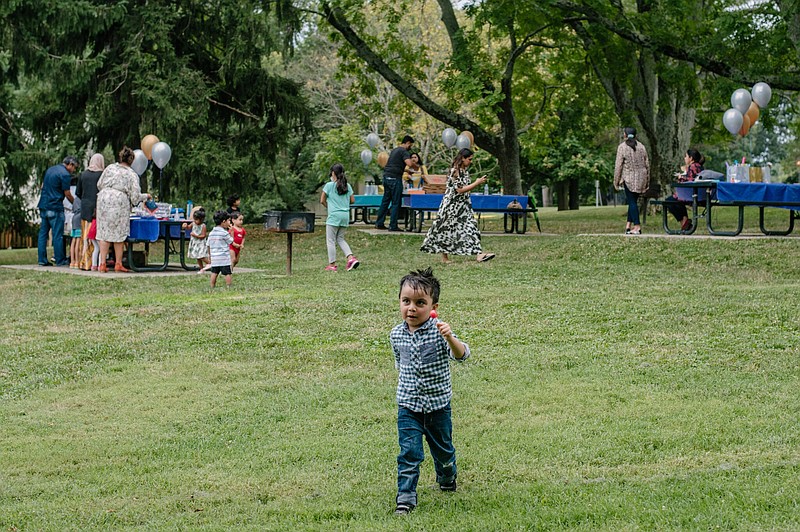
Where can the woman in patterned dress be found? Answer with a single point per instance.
(118, 191)
(455, 229)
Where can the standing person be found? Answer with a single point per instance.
(399, 158)
(87, 192)
(238, 233)
(455, 229)
(415, 177)
(422, 346)
(219, 241)
(91, 235)
(694, 165)
(632, 172)
(198, 243)
(233, 202)
(69, 219)
(337, 195)
(76, 245)
(55, 187)
(118, 191)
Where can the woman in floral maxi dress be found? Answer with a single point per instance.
(118, 191)
(455, 229)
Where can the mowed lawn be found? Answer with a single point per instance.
(615, 383)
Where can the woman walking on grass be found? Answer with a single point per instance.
(632, 172)
(455, 230)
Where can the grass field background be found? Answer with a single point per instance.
(616, 383)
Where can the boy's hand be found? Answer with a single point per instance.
(444, 329)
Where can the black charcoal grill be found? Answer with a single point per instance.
(289, 223)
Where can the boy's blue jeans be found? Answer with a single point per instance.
(437, 428)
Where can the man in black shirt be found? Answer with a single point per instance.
(399, 158)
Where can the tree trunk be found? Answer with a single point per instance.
(562, 194)
(574, 200)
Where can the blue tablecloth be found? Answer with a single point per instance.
(758, 193)
(479, 201)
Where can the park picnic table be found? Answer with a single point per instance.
(419, 204)
(170, 231)
(706, 195)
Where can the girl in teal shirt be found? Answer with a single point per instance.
(337, 195)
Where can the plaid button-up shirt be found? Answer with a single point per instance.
(422, 358)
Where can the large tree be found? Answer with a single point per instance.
(481, 81)
(86, 75)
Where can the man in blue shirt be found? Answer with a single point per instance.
(399, 158)
(55, 187)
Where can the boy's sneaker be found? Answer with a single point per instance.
(352, 263)
(403, 509)
(330, 268)
(448, 487)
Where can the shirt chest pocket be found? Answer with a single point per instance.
(428, 354)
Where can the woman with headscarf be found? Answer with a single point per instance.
(632, 172)
(455, 231)
(87, 192)
(119, 190)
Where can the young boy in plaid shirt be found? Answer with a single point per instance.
(422, 347)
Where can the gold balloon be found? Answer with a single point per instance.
(147, 146)
(470, 137)
(383, 158)
(745, 125)
(753, 113)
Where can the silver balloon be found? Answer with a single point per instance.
(740, 100)
(733, 120)
(373, 140)
(161, 154)
(761, 94)
(366, 157)
(449, 137)
(139, 163)
(463, 142)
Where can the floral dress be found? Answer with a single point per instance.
(198, 247)
(118, 191)
(454, 231)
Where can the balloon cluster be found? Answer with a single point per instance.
(464, 140)
(745, 108)
(366, 155)
(152, 150)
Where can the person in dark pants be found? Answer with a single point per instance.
(55, 187)
(399, 158)
(632, 172)
(694, 165)
(423, 345)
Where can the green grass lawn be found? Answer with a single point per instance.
(615, 383)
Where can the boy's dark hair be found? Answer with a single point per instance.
(221, 216)
(408, 138)
(232, 199)
(422, 280)
(199, 214)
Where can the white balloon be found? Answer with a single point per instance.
(762, 94)
(463, 142)
(449, 137)
(366, 157)
(161, 154)
(733, 119)
(373, 140)
(139, 163)
(740, 100)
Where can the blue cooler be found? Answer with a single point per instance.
(144, 229)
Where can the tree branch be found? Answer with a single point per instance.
(483, 138)
(628, 33)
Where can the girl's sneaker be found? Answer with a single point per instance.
(352, 263)
(330, 268)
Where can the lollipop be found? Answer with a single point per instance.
(433, 314)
